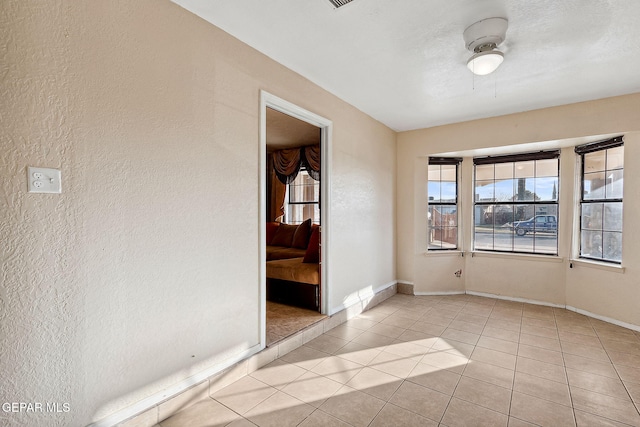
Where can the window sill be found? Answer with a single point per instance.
(614, 268)
(523, 257)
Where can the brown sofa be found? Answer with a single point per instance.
(293, 270)
(285, 241)
(293, 273)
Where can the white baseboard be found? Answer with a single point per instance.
(439, 293)
(361, 297)
(404, 282)
(568, 307)
(173, 391)
(184, 385)
(536, 302)
(385, 286)
(604, 318)
(515, 299)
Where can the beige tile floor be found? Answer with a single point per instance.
(442, 361)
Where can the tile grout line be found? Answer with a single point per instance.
(564, 365)
(363, 366)
(515, 368)
(636, 405)
(388, 401)
(457, 383)
(459, 306)
(331, 354)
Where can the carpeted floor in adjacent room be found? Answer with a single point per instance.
(284, 320)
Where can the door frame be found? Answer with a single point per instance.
(268, 100)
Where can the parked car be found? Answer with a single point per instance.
(539, 223)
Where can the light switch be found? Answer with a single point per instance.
(44, 180)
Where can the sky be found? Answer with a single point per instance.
(504, 190)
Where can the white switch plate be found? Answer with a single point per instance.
(44, 180)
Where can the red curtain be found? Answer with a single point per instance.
(287, 163)
(276, 191)
(283, 167)
(311, 159)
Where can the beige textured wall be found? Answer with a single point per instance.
(600, 292)
(144, 270)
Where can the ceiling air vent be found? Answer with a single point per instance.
(338, 3)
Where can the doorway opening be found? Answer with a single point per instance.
(295, 146)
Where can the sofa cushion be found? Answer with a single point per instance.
(293, 270)
(281, 252)
(312, 254)
(272, 227)
(301, 236)
(284, 235)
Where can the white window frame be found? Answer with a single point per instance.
(581, 151)
(442, 161)
(288, 202)
(515, 158)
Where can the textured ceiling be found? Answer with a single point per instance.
(404, 62)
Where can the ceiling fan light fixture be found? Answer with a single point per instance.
(482, 38)
(485, 62)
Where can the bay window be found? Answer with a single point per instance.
(516, 203)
